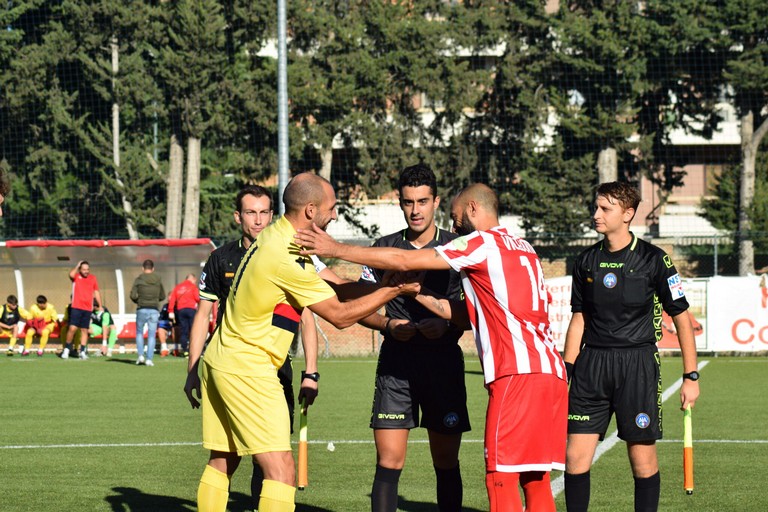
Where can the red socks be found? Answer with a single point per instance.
(537, 490)
(504, 495)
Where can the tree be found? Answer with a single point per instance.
(510, 130)
(723, 209)
(732, 38)
(44, 91)
(191, 69)
(221, 100)
(358, 74)
(599, 76)
(745, 75)
(116, 53)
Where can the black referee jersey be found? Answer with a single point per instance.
(621, 294)
(442, 282)
(218, 273)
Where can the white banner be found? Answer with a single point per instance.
(559, 290)
(738, 314)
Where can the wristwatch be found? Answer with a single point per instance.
(316, 376)
(694, 375)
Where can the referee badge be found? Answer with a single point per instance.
(642, 420)
(610, 280)
(451, 420)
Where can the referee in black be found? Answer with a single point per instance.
(253, 213)
(620, 286)
(421, 365)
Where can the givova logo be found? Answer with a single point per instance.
(578, 417)
(390, 416)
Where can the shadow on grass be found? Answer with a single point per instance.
(239, 502)
(301, 507)
(130, 499)
(473, 372)
(122, 361)
(422, 506)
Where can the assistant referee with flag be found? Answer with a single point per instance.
(620, 286)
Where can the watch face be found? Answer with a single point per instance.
(692, 376)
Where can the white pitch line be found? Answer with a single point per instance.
(558, 484)
(155, 445)
(91, 445)
(320, 442)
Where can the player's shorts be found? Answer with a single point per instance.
(413, 377)
(164, 324)
(80, 318)
(526, 423)
(244, 414)
(6, 332)
(96, 330)
(624, 381)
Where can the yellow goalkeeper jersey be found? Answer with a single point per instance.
(272, 286)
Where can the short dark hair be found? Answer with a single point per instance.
(42, 299)
(5, 183)
(416, 176)
(85, 262)
(12, 300)
(252, 190)
(627, 195)
(148, 264)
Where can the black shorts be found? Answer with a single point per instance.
(624, 381)
(413, 377)
(285, 374)
(80, 318)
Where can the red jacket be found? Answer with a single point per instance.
(184, 296)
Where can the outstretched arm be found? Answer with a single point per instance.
(344, 314)
(320, 243)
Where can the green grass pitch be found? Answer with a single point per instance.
(105, 435)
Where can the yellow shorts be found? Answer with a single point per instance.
(6, 332)
(244, 414)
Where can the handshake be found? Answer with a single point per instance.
(408, 283)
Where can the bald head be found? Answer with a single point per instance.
(310, 198)
(475, 208)
(303, 189)
(482, 195)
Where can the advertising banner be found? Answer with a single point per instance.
(738, 319)
(559, 290)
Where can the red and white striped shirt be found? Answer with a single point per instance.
(507, 303)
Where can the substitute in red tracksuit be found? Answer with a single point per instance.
(182, 306)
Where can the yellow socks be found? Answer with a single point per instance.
(213, 492)
(277, 497)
